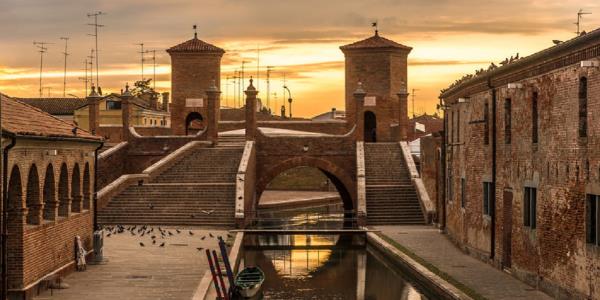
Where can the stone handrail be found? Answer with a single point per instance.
(117, 186)
(169, 160)
(112, 150)
(429, 209)
(361, 193)
(244, 183)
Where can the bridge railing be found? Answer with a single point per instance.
(304, 220)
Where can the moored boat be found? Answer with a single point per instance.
(249, 281)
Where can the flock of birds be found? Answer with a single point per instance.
(492, 66)
(161, 233)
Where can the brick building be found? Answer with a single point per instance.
(522, 174)
(195, 66)
(48, 171)
(381, 66)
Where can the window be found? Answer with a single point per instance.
(113, 105)
(507, 120)
(529, 207)
(592, 217)
(462, 192)
(534, 117)
(458, 126)
(488, 189)
(583, 86)
(486, 119)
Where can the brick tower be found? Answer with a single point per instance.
(381, 65)
(194, 66)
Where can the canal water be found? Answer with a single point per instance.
(323, 266)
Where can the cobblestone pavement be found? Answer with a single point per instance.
(270, 197)
(427, 243)
(133, 272)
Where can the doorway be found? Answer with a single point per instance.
(370, 127)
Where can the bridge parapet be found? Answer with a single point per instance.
(245, 185)
(361, 191)
(428, 207)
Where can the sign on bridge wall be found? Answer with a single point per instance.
(370, 101)
(194, 102)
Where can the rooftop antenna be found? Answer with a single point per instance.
(579, 17)
(142, 54)
(85, 79)
(41, 49)
(413, 101)
(227, 84)
(195, 31)
(48, 88)
(153, 67)
(242, 72)
(91, 63)
(269, 68)
(374, 25)
(66, 39)
(258, 67)
(95, 35)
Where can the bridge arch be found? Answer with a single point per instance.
(339, 177)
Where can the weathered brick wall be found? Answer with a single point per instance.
(430, 168)
(112, 166)
(555, 255)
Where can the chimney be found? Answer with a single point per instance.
(165, 101)
(333, 113)
(154, 101)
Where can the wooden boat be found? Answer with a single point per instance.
(249, 281)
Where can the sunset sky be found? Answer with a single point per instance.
(300, 38)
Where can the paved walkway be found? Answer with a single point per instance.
(430, 245)
(133, 272)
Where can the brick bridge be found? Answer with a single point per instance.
(218, 175)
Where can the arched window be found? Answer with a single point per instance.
(63, 192)
(76, 190)
(49, 194)
(583, 95)
(15, 190)
(33, 202)
(86, 187)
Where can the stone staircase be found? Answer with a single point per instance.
(198, 190)
(391, 196)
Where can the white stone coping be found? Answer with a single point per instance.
(240, 180)
(397, 255)
(159, 166)
(410, 163)
(112, 150)
(426, 203)
(361, 190)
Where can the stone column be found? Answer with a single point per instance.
(76, 203)
(359, 101)
(64, 206)
(51, 209)
(403, 114)
(93, 101)
(125, 112)
(251, 93)
(35, 213)
(213, 99)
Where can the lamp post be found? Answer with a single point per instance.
(289, 99)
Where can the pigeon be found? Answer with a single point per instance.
(207, 212)
(192, 216)
(178, 231)
(150, 206)
(203, 237)
(170, 234)
(162, 245)
(108, 235)
(153, 237)
(142, 244)
(191, 233)
(229, 236)
(153, 242)
(211, 235)
(200, 248)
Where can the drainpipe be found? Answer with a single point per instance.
(494, 166)
(5, 216)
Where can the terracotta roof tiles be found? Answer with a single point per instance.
(373, 42)
(195, 45)
(55, 106)
(23, 119)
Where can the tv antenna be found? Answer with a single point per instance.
(91, 63)
(258, 67)
(85, 79)
(153, 67)
(269, 69)
(142, 54)
(41, 49)
(413, 101)
(95, 35)
(66, 39)
(580, 14)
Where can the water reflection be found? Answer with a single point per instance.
(324, 267)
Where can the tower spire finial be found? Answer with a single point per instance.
(195, 31)
(374, 25)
